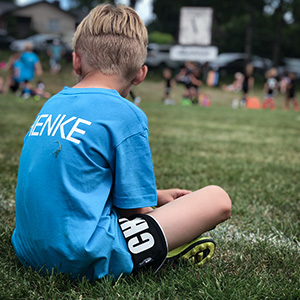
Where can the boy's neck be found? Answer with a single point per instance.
(96, 79)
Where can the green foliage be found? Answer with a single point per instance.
(231, 19)
(253, 154)
(160, 37)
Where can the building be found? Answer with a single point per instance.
(39, 17)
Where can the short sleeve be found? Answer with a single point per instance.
(134, 180)
(35, 58)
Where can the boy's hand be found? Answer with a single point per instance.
(166, 196)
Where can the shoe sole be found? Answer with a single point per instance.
(197, 252)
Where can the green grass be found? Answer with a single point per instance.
(253, 155)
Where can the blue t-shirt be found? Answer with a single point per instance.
(56, 52)
(18, 71)
(86, 152)
(29, 59)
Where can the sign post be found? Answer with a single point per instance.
(195, 36)
(195, 26)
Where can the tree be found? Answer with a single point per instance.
(132, 3)
(252, 26)
(89, 4)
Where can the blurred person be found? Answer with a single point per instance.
(271, 86)
(136, 99)
(187, 77)
(168, 85)
(14, 77)
(183, 77)
(196, 83)
(40, 91)
(283, 83)
(290, 93)
(31, 63)
(55, 51)
(248, 83)
(236, 85)
(1, 84)
(26, 89)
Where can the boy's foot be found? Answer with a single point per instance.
(197, 251)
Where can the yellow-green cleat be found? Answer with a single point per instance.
(197, 251)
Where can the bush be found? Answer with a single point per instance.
(160, 38)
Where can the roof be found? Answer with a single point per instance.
(54, 4)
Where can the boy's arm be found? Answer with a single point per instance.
(251, 83)
(38, 68)
(166, 196)
(134, 211)
(163, 197)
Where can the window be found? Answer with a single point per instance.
(54, 25)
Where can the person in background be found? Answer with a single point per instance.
(283, 83)
(40, 91)
(186, 76)
(290, 93)
(248, 83)
(236, 85)
(31, 64)
(13, 79)
(169, 83)
(196, 83)
(56, 51)
(271, 87)
(136, 99)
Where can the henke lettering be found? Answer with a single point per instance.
(46, 124)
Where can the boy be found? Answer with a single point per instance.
(290, 94)
(31, 63)
(248, 83)
(168, 81)
(86, 182)
(271, 86)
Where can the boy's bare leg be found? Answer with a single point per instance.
(187, 217)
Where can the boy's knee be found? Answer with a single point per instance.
(223, 200)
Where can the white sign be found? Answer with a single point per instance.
(195, 25)
(193, 53)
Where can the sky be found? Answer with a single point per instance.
(143, 7)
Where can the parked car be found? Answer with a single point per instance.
(40, 42)
(159, 56)
(230, 63)
(290, 65)
(5, 39)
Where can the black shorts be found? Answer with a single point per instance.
(145, 240)
(291, 94)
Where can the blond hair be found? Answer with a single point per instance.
(271, 73)
(112, 40)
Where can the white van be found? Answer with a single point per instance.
(158, 56)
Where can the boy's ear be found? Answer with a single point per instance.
(140, 76)
(76, 63)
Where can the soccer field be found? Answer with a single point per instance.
(253, 154)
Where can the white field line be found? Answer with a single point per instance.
(224, 231)
(276, 239)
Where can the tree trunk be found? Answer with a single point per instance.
(132, 3)
(249, 34)
(277, 42)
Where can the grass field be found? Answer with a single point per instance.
(252, 154)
